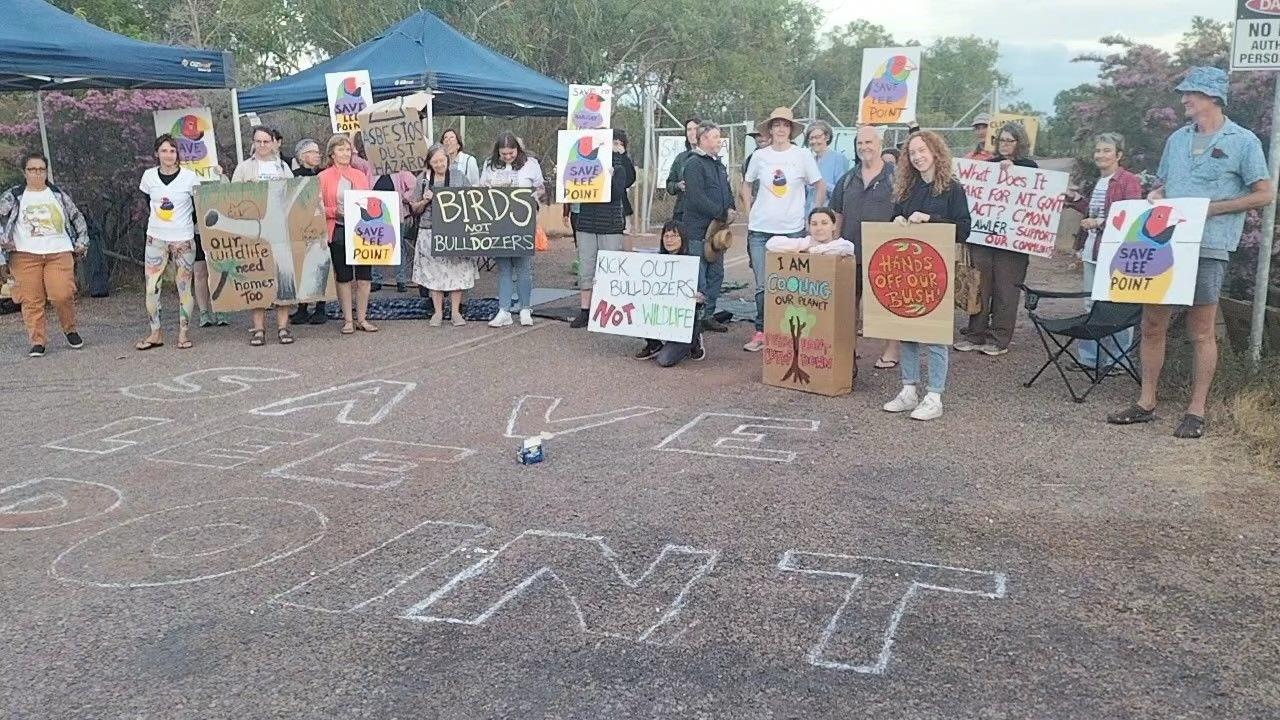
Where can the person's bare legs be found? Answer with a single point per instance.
(259, 318)
(892, 351)
(1155, 329)
(584, 299)
(363, 288)
(437, 302)
(455, 302)
(1204, 343)
(282, 316)
(344, 299)
(201, 279)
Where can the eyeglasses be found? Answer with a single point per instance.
(1008, 140)
(36, 171)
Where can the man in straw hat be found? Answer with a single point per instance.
(1210, 157)
(784, 171)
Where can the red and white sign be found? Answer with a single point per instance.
(1256, 42)
(1013, 208)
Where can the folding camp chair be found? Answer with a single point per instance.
(1103, 320)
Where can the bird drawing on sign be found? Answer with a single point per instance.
(587, 115)
(584, 166)
(1142, 268)
(885, 96)
(189, 131)
(375, 225)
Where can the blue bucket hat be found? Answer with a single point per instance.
(1207, 80)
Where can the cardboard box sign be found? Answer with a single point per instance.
(393, 136)
(483, 222)
(908, 284)
(265, 243)
(809, 318)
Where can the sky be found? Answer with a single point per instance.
(1038, 38)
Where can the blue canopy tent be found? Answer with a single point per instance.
(44, 48)
(423, 53)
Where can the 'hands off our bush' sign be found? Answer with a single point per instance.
(484, 222)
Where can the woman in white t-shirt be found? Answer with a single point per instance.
(460, 163)
(510, 166)
(171, 231)
(264, 166)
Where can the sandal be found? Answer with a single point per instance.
(147, 345)
(257, 338)
(365, 326)
(882, 364)
(1191, 427)
(348, 328)
(1135, 413)
(184, 345)
(286, 337)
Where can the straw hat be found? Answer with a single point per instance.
(719, 240)
(782, 113)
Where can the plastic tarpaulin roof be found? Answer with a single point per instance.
(422, 52)
(44, 48)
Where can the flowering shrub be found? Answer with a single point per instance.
(101, 143)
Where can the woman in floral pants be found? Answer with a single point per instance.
(171, 229)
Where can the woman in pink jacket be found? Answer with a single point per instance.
(335, 180)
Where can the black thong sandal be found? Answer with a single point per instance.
(1191, 427)
(1131, 415)
(882, 364)
(145, 345)
(257, 338)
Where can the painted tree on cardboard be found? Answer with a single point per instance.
(798, 323)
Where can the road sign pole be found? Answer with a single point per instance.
(1262, 280)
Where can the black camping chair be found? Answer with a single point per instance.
(1103, 320)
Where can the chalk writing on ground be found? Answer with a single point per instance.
(191, 543)
(532, 416)
(368, 463)
(110, 437)
(44, 503)
(366, 402)
(706, 435)
(229, 448)
(207, 384)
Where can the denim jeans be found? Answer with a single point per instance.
(1089, 355)
(939, 359)
(710, 275)
(522, 268)
(755, 253)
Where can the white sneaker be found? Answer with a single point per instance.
(963, 345)
(502, 319)
(906, 400)
(930, 408)
(993, 350)
(526, 317)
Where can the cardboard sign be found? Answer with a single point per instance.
(197, 147)
(669, 146)
(394, 138)
(350, 93)
(1150, 253)
(1013, 208)
(890, 83)
(1030, 123)
(809, 318)
(372, 226)
(265, 243)
(907, 286)
(483, 221)
(590, 107)
(644, 295)
(584, 166)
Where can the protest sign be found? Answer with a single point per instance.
(350, 93)
(590, 107)
(1150, 253)
(890, 83)
(483, 221)
(584, 166)
(1030, 123)
(192, 128)
(644, 295)
(809, 317)
(372, 224)
(394, 139)
(265, 243)
(669, 146)
(907, 284)
(844, 141)
(1013, 208)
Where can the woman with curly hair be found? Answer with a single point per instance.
(924, 191)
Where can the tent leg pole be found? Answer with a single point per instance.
(44, 133)
(431, 117)
(462, 125)
(235, 122)
(650, 165)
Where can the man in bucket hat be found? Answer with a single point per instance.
(1215, 158)
(784, 171)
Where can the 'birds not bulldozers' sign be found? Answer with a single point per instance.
(809, 316)
(1150, 253)
(265, 243)
(908, 285)
(890, 83)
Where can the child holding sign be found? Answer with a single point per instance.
(674, 242)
